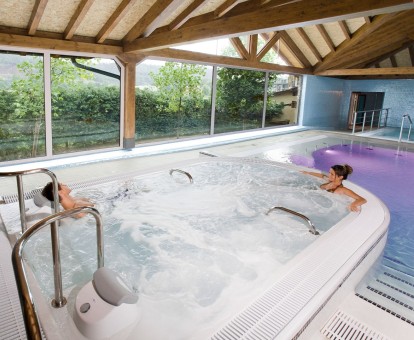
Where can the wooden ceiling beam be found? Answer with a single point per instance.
(253, 39)
(209, 59)
(344, 29)
(77, 18)
(113, 21)
(385, 56)
(411, 51)
(291, 15)
(309, 43)
(37, 13)
(367, 72)
(268, 46)
(58, 44)
(275, 48)
(295, 49)
(321, 29)
(182, 18)
(239, 47)
(225, 7)
(151, 19)
(360, 35)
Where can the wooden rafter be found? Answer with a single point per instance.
(115, 18)
(276, 47)
(227, 6)
(371, 71)
(37, 13)
(295, 49)
(321, 29)
(344, 29)
(357, 37)
(58, 44)
(239, 47)
(268, 46)
(309, 43)
(385, 56)
(151, 19)
(186, 14)
(393, 61)
(253, 46)
(210, 59)
(389, 37)
(411, 51)
(77, 18)
(264, 19)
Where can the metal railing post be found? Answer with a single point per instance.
(31, 320)
(354, 123)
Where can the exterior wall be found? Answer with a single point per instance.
(287, 113)
(321, 102)
(325, 101)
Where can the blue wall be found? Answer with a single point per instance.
(325, 101)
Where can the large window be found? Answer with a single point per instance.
(173, 100)
(85, 104)
(282, 100)
(22, 113)
(240, 97)
(78, 110)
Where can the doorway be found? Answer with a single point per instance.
(362, 102)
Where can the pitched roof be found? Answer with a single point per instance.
(349, 38)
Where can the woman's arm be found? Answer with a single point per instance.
(316, 174)
(358, 200)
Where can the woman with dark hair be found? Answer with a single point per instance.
(65, 199)
(338, 173)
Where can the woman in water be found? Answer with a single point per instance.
(337, 174)
(65, 199)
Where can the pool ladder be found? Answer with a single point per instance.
(402, 127)
(312, 228)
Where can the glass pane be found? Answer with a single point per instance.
(240, 95)
(222, 47)
(173, 100)
(22, 113)
(85, 104)
(282, 100)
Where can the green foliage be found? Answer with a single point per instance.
(177, 81)
(240, 93)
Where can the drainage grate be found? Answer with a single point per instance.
(342, 326)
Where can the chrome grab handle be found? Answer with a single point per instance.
(402, 126)
(31, 320)
(20, 191)
(182, 172)
(312, 228)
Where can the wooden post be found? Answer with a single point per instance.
(129, 106)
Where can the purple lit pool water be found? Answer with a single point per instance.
(388, 173)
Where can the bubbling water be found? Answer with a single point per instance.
(192, 250)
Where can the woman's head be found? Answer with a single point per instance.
(342, 170)
(48, 190)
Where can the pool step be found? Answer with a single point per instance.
(391, 291)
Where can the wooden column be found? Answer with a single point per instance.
(129, 106)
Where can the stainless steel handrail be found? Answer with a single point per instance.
(31, 320)
(312, 228)
(373, 115)
(182, 172)
(402, 126)
(20, 191)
